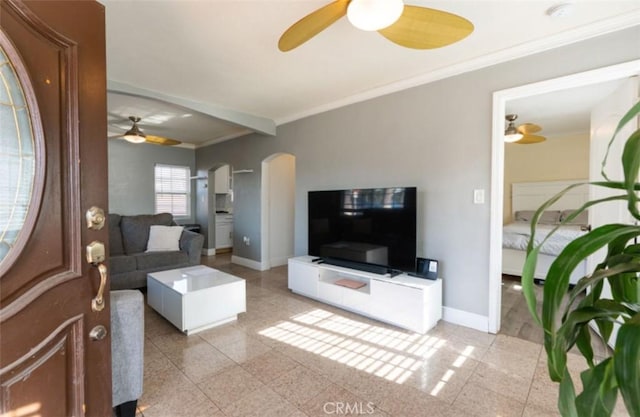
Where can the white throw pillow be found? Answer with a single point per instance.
(164, 238)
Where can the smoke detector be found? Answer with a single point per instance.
(560, 10)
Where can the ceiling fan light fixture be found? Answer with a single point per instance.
(512, 137)
(134, 135)
(134, 138)
(511, 133)
(373, 15)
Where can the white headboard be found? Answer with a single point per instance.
(531, 195)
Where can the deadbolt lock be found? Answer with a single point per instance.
(98, 333)
(95, 252)
(95, 218)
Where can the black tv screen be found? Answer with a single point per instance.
(375, 226)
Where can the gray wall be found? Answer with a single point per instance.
(436, 137)
(131, 175)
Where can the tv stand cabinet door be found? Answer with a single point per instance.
(303, 278)
(398, 304)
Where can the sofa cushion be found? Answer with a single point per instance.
(115, 235)
(122, 263)
(164, 238)
(135, 230)
(158, 260)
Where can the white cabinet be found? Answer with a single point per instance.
(224, 231)
(223, 180)
(398, 304)
(408, 302)
(303, 278)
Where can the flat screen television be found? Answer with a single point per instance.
(371, 229)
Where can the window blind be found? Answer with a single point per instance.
(173, 190)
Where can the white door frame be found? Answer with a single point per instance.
(500, 98)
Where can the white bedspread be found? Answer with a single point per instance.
(516, 236)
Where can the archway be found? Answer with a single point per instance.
(207, 199)
(278, 206)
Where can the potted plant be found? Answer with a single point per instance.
(566, 314)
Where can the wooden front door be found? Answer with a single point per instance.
(53, 168)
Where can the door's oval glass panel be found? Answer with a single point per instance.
(17, 169)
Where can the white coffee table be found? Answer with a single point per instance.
(196, 298)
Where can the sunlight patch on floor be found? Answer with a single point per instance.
(386, 353)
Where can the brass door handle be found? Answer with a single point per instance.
(97, 304)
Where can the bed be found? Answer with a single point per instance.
(526, 197)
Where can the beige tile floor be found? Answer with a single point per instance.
(291, 356)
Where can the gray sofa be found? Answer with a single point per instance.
(128, 261)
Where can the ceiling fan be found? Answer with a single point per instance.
(135, 135)
(410, 26)
(522, 134)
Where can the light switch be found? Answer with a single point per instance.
(478, 196)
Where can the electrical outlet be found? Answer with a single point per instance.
(246, 240)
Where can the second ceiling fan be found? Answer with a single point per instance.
(410, 26)
(523, 134)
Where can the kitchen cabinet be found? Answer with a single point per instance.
(223, 180)
(224, 231)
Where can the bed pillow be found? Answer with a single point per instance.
(548, 216)
(582, 219)
(164, 238)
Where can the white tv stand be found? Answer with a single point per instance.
(405, 301)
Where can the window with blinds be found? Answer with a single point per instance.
(173, 190)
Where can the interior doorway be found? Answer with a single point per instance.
(278, 209)
(500, 101)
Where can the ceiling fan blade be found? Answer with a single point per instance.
(312, 24)
(529, 139)
(159, 140)
(529, 128)
(424, 28)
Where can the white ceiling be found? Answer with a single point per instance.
(219, 61)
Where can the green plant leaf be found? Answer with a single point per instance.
(624, 287)
(527, 283)
(605, 311)
(567, 396)
(608, 310)
(631, 166)
(617, 185)
(583, 341)
(557, 282)
(598, 276)
(599, 391)
(633, 111)
(627, 364)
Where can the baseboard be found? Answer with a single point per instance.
(249, 263)
(208, 251)
(280, 261)
(465, 318)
